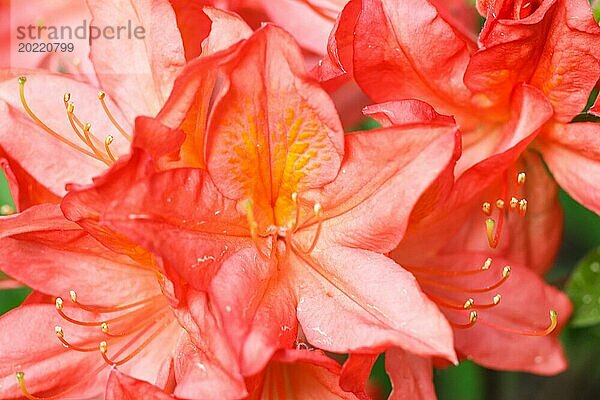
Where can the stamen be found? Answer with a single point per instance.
(441, 272)
(486, 208)
(295, 200)
(500, 204)
(492, 233)
(101, 96)
(318, 211)
(522, 207)
(59, 308)
(85, 137)
(450, 304)
(505, 275)
(521, 175)
(107, 142)
(21, 379)
(544, 332)
(514, 202)
(495, 301)
(61, 336)
(97, 309)
(472, 320)
(318, 10)
(45, 127)
(104, 347)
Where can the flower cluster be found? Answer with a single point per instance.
(203, 227)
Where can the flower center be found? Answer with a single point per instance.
(285, 233)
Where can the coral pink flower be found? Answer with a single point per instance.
(287, 227)
(120, 313)
(397, 53)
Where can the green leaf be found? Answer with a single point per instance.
(584, 290)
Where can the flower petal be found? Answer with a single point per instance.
(411, 376)
(49, 253)
(124, 387)
(393, 60)
(353, 300)
(383, 175)
(572, 152)
(301, 374)
(257, 305)
(271, 137)
(205, 365)
(142, 81)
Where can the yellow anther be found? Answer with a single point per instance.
(506, 271)
(104, 327)
(59, 331)
(523, 206)
(496, 299)
(20, 375)
(109, 140)
(101, 95)
(87, 126)
(487, 264)
(22, 80)
(58, 303)
(472, 317)
(514, 202)
(73, 296)
(294, 197)
(500, 203)
(318, 209)
(490, 225)
(486, 208)
(468, 304)
(521, 178)
(67, 97)
(103, 347)
(71, 107)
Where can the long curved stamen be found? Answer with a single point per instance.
(253, 225)
(101, 96)
(107, 142)
(297, 217)
(59, 308)
(450, 304)
(21, 380)
(99, 309)
(318, 10)
(45, 127)
(523, 332)
(104, 347)
(440, 272)
(472, 320)
(495, 301)
(60, 334)
(318, 211)
(505, 274)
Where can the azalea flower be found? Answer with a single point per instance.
(111, 309)
(547, 46)
(503, 315)
(286, 227)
